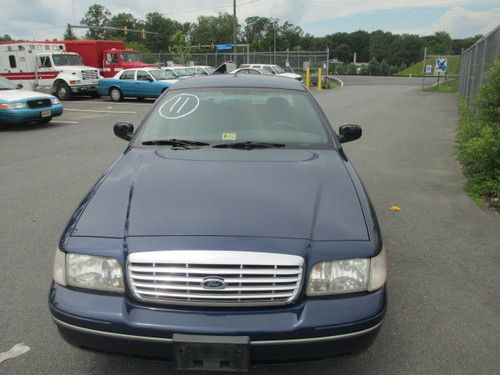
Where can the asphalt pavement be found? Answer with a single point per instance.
(443, 250)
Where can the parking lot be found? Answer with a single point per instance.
(443, 250)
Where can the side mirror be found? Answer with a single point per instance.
(124, 130)
(349, 132)
(19, 86)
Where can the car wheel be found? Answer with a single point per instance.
(44, 121)
(63, 91)
(116, 94)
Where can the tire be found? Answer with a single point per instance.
(44, 121)
(116, 94)
(63, 91)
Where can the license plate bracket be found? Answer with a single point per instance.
(205, 352)
(46, 113)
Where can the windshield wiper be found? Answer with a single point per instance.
(185, 143)
(249, 145)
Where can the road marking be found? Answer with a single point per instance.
(95, 110)
(109, 103)
(63, 122)
(15, 351)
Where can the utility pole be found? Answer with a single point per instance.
(235, 27)
(274, 42)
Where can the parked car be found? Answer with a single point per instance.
(180, 72)
(141, 83)
(233, 228)
(254, 71)
(19, 106)
(274, 69)
(205, 70)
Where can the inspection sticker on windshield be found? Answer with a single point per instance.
(179, 106)
(229, 136)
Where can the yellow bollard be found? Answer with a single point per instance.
(320, 78)
(308, 78)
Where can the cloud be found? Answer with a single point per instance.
(461, 22)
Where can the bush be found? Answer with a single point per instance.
(384, 68)
(374, 67)
(479, 140)
(393, 70)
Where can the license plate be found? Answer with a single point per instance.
(222, 353)
(47, 113)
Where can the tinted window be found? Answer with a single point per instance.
(143, 75)
(129, 74)
(237, 114)
(12, 61)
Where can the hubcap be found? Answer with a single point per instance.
(115, 94)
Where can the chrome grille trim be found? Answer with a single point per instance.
(250, 278)
(90, 74)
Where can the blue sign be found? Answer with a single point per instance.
(441, 65)
(221, 47)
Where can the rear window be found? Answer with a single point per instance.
(12, 61)
(237, 114)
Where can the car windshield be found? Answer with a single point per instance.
(67, 59)
(210, 70)
(218, 115)
(159, 74)
(279, 69)
(5, 84)
(130, 56)
(182, 72)
(269, 69)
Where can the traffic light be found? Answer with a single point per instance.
(143, 33)
(125, 30)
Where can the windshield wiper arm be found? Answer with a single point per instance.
(249, 145)
(175, 142)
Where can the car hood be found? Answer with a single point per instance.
(290, 75)
(16, 95)
(223, 192)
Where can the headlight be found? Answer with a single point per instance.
(347, 276)
(88, 271)
(18, 105)
(55, 101)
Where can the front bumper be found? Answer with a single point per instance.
(308, 330)
(84, 88)
(26, 115)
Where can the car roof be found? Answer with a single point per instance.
(231, 80)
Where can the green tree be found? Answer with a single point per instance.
(343, 53)
(69, 34)
(181, 46)
(217, 29)
(393, 70)
(402, 67)
(122, 20)
(374, 67)
(487, 101)
(359, 42)
(352, 69)
(439, 43)
(256, 30)
(96, 15)
(166, 28)
(5, 38)
(384, 68)
(364, 70)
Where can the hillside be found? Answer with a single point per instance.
(416, 69)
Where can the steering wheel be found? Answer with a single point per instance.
(283, 125)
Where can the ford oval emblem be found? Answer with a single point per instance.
(213, 282)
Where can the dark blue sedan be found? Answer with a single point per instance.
(140, 83)
(233, 229)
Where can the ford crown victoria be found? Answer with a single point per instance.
(232, 229)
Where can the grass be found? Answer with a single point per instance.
(416, 69)
(450, 86)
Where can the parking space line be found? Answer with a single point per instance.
(63, 122)
(111, 103)
(95, 110)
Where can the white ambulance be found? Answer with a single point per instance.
(47, 67)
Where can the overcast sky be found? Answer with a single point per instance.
(42, 19)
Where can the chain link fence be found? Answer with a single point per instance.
(476, 60)
(294, 60)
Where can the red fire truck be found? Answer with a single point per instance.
(109, 56)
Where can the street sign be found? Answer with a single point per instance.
(222, 47)
(428, 69)
(441, 65)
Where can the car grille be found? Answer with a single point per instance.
(90, 74)
(38, 103)
(215, 278)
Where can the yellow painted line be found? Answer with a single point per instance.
(94, 110)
